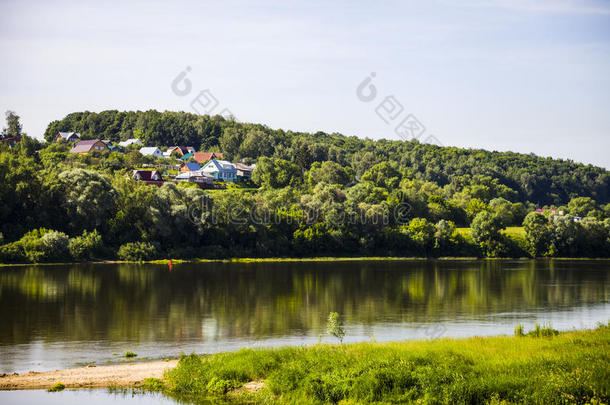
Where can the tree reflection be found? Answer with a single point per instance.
(214, 301)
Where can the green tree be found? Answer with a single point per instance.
(485, 230)
(88, 198)
(276, 173)
(581, 206)
(537, 233)
(13, 126)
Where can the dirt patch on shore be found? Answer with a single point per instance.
(121, 375)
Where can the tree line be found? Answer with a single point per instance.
(315, 194)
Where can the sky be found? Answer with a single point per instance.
(522, 76)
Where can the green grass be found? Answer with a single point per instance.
(570, 368)
(57, 387)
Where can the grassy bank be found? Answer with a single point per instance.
(571, 367)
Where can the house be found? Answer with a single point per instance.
(180, 150)
(11, 141)
(67, 136)
(115, 148)
(190, 167)
(89, 146)
(244, 172)
(221, 170)
(130, 141)
(202, 157)
(198, 177)
(151, 151)
(151, 177)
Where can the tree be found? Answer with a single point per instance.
(335, 326)
(537, 233)
(276, 173)
(13, 126)
(485, 230)
(88, 198)
(581, 206)
(328, 172)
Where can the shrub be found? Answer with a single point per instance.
(335, 327)
(543, 331)
(57, 387)
(86, 246)
(137, 251)
(55, 245)
(519, 330)
(130, 354)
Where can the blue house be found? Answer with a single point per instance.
(221, 170)
(190, 167)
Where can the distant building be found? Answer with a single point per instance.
(221, 170)
(198, 177)
(89, 145)
(151, 177)
(243, 172)
(11, 141)
(151, 151)
(190, 167)
(67, 136)
(129, 142)
(202, 157)
(180, 150)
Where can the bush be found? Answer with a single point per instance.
(137, 251)
(55, 245)
(86, 246)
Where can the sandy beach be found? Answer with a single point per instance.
(122, 375)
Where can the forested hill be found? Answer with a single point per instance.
(486, 174)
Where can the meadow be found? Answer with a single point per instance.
(536, 367)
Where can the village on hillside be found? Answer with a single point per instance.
(206, 169)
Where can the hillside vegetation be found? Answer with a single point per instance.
(310, 195)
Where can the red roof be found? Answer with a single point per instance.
(205, 156)
(85, 146)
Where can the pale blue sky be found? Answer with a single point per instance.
(502, 75)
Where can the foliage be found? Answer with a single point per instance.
(319, 194)
(569, 368)
(537, 233)
(137, 251)
(129, 354)
(86, 246)
(334, 326)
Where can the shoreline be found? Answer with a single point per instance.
(308, 259)
(129, 375)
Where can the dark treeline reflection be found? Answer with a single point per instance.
(213, 300)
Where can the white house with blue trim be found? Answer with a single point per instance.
(221, 170)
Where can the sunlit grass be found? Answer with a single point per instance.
(568, 368)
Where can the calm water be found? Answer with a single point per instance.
(57, 316)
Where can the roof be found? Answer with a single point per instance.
(205, 156)
(85, 146)
(243, 167)
(130, 141)
(66, 135)
(147, 175)
(187, 156)
(149, 150)
(197, 173)
(192, 166)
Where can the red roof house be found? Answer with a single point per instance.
(88, 146)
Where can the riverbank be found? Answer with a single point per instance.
(115, 376)
(307, 259)
(571, 367)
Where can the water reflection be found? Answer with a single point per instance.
(61, 314)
